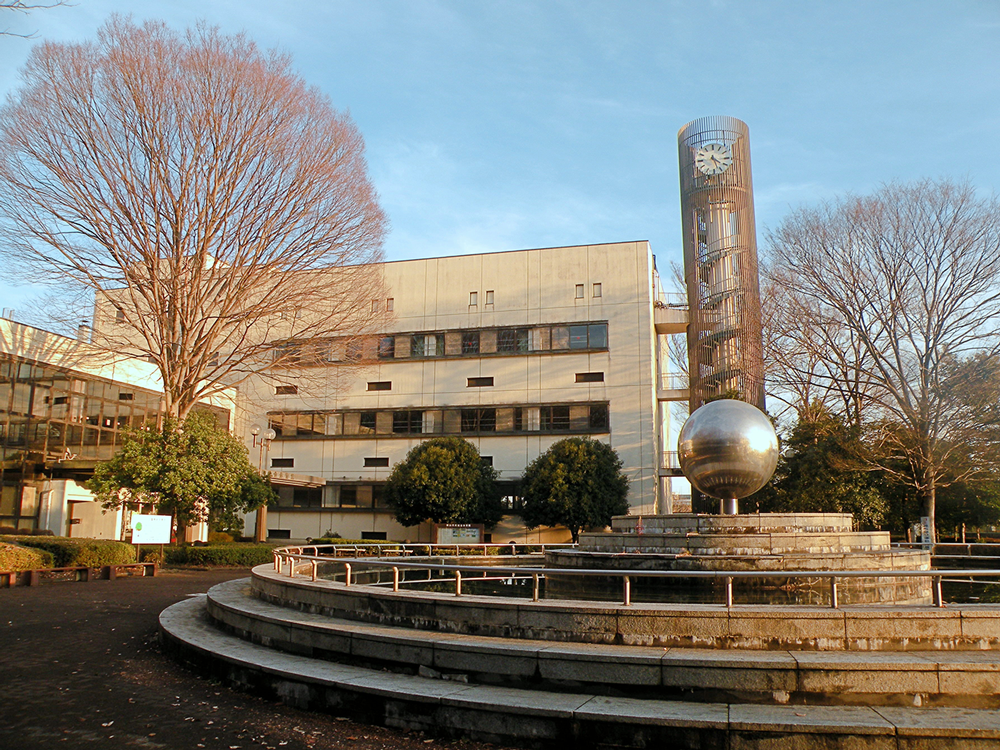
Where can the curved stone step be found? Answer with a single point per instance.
(957, 678)
(556, 719)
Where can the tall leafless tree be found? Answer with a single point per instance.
(217, 207)
(882, 296)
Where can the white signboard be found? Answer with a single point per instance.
(460, 534)
(150, 529)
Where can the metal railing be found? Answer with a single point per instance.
(293, 558)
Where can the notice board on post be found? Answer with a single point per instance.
(147, 529)
(459, 533)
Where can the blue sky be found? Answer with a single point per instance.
(496, 125)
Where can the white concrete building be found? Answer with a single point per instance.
(511, 350)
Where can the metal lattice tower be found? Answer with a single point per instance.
(725, 347)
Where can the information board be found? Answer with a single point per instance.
(150, 529)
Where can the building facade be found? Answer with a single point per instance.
(512, 351)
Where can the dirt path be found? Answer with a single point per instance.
(81, 666)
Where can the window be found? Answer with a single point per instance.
(375, 305)
(599, 417)
(597, 290)
(124, 397)
(487, 460)
(598, 335)
(590, 377)
(407, 422)
(387, 347)
(578, 337)
(489, 296)
(355, 350)
(510, 340)
(480, 382)
(379, 385)
(473, 299)
(375, 536)
(389, 304)
(376, 461)
(579, 291)
(348, 495)
(282, 463)
(470, 342)
(555, 417)
(418, 345)
(479, 420)
(286, 390)
(119, 316)
(367, 426)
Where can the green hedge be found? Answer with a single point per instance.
(15, 557)
(215, 555)
(68, 552)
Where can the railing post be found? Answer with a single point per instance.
(628, 591)
(534, 587)
(277, 563)
(458, 583)
(315, 566)
(729, 592)
(347, 574)
(291, 567)
(395, 578)
(938, 596)
(834, 603)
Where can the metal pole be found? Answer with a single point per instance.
(535, 587)
(315, 565)
(628, 591)
(938, 596)
(347, 574)
(395, 578)
(729, 592)
(458, 583)
(833, 592)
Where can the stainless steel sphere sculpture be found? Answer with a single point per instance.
(728, 449)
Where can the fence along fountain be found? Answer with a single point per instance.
(728, 450)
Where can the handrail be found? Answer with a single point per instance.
(287, 555)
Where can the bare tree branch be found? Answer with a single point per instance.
(22, 6)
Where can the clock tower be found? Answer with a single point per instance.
(725, 346)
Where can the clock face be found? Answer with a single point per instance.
(713, 158)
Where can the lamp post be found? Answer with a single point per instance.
(263, 442)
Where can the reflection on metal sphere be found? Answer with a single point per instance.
(728, 449)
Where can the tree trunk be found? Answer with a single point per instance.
(930, 499)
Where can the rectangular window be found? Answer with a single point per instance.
(119, 316)
(590, 377)
(124, 397)
(376, 461)
(355, 350)
(418, 345)
(390, 304)
(367, 425)
(512, 340)
(470, 342)
(407, 422)
(487, 460)
(387, 347)
(375, 536)
(473, 299)
(560, 337)
(598, 335)
(579, 291)
(599, 417)
(286, 390)
(282, 463)
(555, 417)
(597, 290)
(374, 305)
(489, 296)
(479, 420)
(379, 385)
(578, 337)
(480, 382)
(348, 496)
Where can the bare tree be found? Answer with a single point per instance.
(884, 294)
(218, 208)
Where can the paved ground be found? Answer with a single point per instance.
(81, 666)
